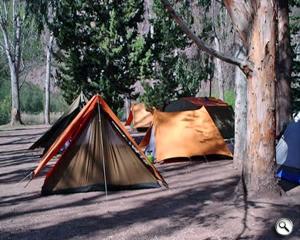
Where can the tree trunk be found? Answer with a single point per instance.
(15, 97)
(127, 107)
(240, 115)
(12, 49)
(255, 21)
(218, 70)
(258, 170)
(284, 64)
(47, 80)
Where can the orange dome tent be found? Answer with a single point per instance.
(185, 134)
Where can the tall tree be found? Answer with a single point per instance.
(43, 15)
(49, 47)
(240, 113)
(217, 62)
(255, 23)
(100, 49)
(11, 22)
(259, 167)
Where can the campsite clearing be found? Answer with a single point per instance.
(200, 203)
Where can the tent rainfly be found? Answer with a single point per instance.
(101, 155)
(184, 134)
(139, 117)
(221, 113)
(48, 138)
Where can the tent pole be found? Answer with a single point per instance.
(104, 171)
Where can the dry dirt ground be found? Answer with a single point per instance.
(200, 203)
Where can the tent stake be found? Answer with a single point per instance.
(29, 175)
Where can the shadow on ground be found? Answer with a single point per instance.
(201, 198)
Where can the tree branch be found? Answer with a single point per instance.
(242, 64)
(17, 43)
(3, 8)
(6, 44)
(24, 80)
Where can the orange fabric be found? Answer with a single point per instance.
(107, 109)
(146, 139)
(75, 127)
(141, 117)
(187, 134)
(129, 119)
(66, 135)
(203, 101)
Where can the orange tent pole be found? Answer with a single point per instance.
(60, 141)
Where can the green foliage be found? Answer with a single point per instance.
(30, 44)
(31, 98)
(100, 49)
(5, 100)
(295, 81)
(5, 110)
(294, 3)
(31, 54)
(204, 3)
(57, 103)
(173, 74)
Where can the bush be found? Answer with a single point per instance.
(31, 98)
(57, 103)
(5, 110)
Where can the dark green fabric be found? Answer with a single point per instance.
(180, 105)
(48, 138)
(223, 117)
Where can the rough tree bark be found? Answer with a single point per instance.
(47, 80)
(13, 54)
(259, 167)
(240, 114)
(217, 62)
(218, 70)
(127, 107)
(284, 65)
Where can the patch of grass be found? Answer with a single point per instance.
(32, 103)
(35, 119)
(229, 97)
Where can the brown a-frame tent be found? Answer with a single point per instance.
(48, 138)
(101, 155)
